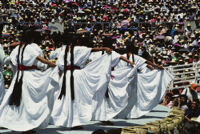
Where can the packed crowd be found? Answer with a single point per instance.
(165, 32)
(187, 101)
(184, 101)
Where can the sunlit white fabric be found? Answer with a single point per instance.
(34, 107)
(87, 81)
(146, 92)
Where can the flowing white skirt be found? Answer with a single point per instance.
(106, 108)
(2, 88)
(34, 108)
(151, 87)
(87, 81)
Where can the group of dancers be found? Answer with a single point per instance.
(84, 84)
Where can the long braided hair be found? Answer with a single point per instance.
(15, 98)
(130, 48)
(107, 42)
(63, 92)
(72, 71)
(69, 38)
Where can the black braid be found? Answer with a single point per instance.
(63, 89)
(127, 56)
(107, 94)
(102, 52)
(133, 60)
(13, 95)
(15, 98)
(72, 71)
(130, 48)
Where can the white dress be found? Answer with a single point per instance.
(2, 89)
(34, 107)
(150, 89)
(87, 81)
(95, 55)
(39, 64)
(54, 54)
(121, 78)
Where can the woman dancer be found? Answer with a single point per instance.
(147, 90)
(122, 78)
(78, 84)
(122, 90)
(25, 105)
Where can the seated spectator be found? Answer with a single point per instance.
(167, 101)
(190, 126)
(183, 102)
(193, 110)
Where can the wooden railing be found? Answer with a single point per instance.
(184, 75)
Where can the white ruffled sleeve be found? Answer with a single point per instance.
(81, 55)
(115, 58)
(139, 61)
(13, 56)
(32, 55)
(60, 61)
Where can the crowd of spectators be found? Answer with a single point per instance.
(167, 30)
(188, 101)
(163, 31)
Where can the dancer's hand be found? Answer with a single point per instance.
(150, 67)
(160, 67)
(108, 50)
(132, 64)
(52, 64)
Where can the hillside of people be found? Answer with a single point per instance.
(165, 32)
